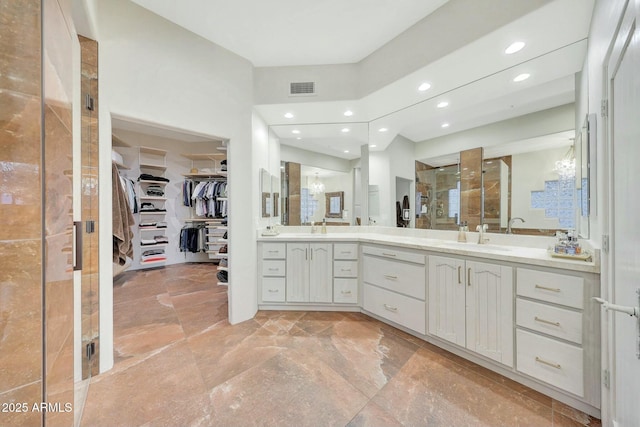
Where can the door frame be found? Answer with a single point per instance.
(608, 400)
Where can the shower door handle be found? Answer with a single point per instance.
(77, 245)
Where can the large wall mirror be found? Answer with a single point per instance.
(475, 136)
(318, 172)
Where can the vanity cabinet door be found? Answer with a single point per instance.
(297, 272)
(447, 280)
(321, 272)
(490, 311)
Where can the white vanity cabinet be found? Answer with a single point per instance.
(272, 270)
(309, 272)
(471, 305)
(557, 332)
(345, 273)
(394, 285)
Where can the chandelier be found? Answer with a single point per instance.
(316, 186)
(566, 167)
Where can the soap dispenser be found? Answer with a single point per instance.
(462, 235)
(324, 226)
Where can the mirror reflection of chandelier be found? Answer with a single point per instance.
(316, 186)
(566, 167)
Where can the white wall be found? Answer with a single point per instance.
(154, 71)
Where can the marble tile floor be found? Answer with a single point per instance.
(180, 363)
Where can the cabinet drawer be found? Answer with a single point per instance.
(408, 279)
(274, 251)
(345, 268)
(345, 251)
(395, 254)
(274, 268)
(400, 309)
(345, 291)
(556, 288)
(558, 322)
(273, 289)
(551, 361)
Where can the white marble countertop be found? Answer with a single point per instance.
(531, 250)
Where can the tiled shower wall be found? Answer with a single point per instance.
(36, 287)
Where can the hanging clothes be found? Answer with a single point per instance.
(122, 221)
(208, 198)
(192, 238)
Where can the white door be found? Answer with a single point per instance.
(490, 311)
(623, 83)
(447, 282)
(297, 272)
(321, 272)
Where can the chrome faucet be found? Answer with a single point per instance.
(511, 224)
(482, 229)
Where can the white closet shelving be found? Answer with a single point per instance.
(153, 162)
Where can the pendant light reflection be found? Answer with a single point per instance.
(566, 167)
(316, 186)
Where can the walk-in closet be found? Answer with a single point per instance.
(170, 201)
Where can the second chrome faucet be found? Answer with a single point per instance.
(482, 228)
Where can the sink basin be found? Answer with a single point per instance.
(475, 246)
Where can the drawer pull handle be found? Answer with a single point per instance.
(548, 322)
(391, 308)
(469, 276)
(388, 276)
(273, 269)
(273, 252)
(459, 280)
(547, 289)
(386, 254)
(346, 292)
(345, 252)
(345, 269)
(544, 362)
(273, 291)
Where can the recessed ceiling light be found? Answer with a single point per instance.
(442, 104)
(345, 130)
(299, 137)
(522, 77)
(441, 169)
(348, 113)
(288, 115)
(514, 47)
(445, 125)
(346, 151)
(295, 131)
(383, 130)
(373, 145)
(424, 86)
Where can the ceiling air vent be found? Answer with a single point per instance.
(302, 88)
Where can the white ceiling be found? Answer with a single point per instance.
(476, 79)
(296, 32)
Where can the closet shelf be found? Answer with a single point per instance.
(154, 151)
(152, 228)
(204, 156)
(155, 245)
(196, 219)
(217, 227)
(206, 175)
(216, 253)
(152, 213)
(148, 181)
(160, 261)
(152, 166)
(117, 142)
(153, 198)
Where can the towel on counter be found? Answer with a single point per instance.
(122, 220)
